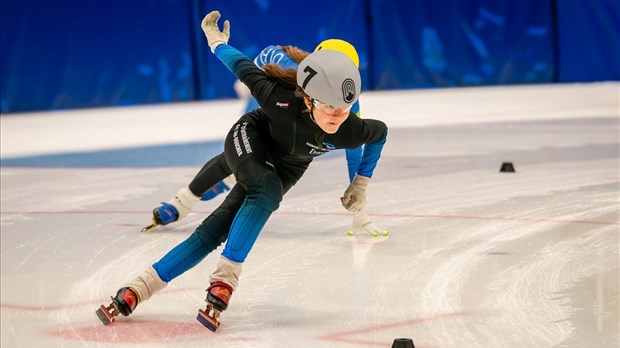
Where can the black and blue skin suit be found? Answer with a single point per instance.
(268, 149)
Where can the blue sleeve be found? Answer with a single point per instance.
(230, 56)
(370, 156)
(260, 85)
(274, 55)
(354, 158)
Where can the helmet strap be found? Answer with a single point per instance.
(312, 115)
(311, 111)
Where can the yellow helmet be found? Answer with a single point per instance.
(340, 46)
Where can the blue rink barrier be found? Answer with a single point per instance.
(171, 155)
(67, 54)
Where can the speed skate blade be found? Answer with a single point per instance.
(152, 225)
(209, 322)
(105, 316)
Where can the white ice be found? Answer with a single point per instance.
(475, 257)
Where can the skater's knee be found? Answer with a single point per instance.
(213, 231)
(267, 188)
(272, 193)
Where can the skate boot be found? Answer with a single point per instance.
(163, 215)
(176, 209)
(218, 295)
(124, 303)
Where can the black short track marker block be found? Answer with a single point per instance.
(403, 343)
(507, 167)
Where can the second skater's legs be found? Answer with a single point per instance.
(213, 179)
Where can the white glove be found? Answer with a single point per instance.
(215, 37)
(362, 223)
(354, 198)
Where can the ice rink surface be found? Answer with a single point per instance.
(475, 257)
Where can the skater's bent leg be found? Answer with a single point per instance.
(215, 177)
(211, 233)
(263, 193)
(214, 171)
(175, 209)
(264, 196)
(183, 257)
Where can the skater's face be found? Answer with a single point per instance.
(328, 117)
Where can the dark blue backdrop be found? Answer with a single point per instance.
(75, 54)
(588, 40)
(465, 43)
(72, 54)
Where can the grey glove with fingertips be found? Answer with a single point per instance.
(215, 37)
(354, 198)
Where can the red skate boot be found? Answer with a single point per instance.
(218, 295)
(123, 303)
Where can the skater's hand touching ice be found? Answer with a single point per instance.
(215, 37)
(354, 198)
(362, 223)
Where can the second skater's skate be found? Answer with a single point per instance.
(163, 215)
(181, 205)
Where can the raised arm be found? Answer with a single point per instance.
(260, 85)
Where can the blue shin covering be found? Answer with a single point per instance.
(187, 254)
(183, 257)
(245, 228)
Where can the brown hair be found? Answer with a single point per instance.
(286, 77)
(296, 53)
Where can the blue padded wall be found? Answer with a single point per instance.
(421, 43)
(74, 54)
(588, 40)
(257, 24)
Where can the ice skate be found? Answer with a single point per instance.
(123, 303)
(176, 209)
(152, 225)
(218, 295)
(163, 215)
